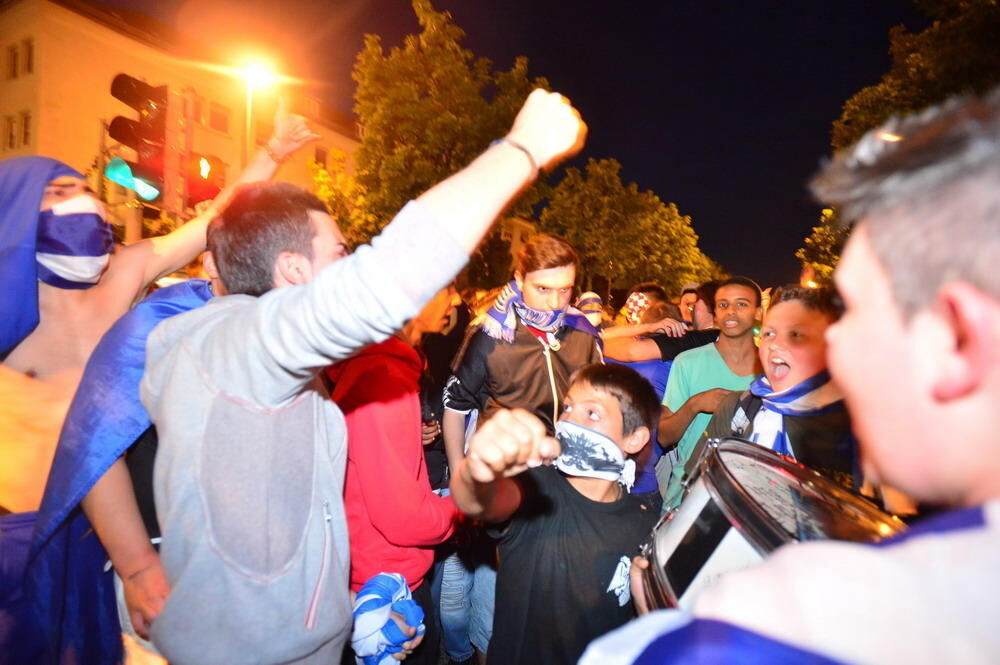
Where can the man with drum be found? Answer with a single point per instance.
(916, 354)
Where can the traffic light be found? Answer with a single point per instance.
(204, 177)
(146, 136)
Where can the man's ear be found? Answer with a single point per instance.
(290, 269)
(969, 318)
(208, 263)
(635, 441)
(519, 278)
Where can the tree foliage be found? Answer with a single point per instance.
(823, 246)
(623, 234)
(426, 109)
(958, 53)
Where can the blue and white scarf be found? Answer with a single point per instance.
(814, 396)
(376, 636)
(500, 321)
(74, 243)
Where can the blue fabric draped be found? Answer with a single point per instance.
(72, 598)
(709, 642)
(22, 185)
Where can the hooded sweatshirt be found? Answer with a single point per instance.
(393, 516)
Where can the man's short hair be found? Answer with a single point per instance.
(661, 310)
(649, 288)
(545, 251)
(262, 220)
(823, 299)
(636, 397)
(925, 187)
(706, 294)
(739, 280)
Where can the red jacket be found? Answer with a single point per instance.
(393, 517)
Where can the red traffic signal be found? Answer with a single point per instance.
(205, 175)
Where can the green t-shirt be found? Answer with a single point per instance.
(693, 372)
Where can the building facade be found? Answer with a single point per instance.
(59, 57)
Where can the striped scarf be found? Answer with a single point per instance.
(500, 321)
(74, 243)
(812, 397)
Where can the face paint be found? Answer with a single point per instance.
(590, 454)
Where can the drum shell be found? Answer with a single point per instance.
(691, 548)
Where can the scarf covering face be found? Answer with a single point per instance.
(590, 454)
(376, 636)
(22, 185)
(812, 397)
(501, 318)
(74, 243)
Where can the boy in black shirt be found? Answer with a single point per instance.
(568, 531)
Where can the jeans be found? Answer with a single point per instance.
(453, 594)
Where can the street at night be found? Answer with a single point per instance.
(499, 333)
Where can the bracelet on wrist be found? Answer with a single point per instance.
(275, 157)
(527, 153)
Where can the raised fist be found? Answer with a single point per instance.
(507, 444)
(549, 128)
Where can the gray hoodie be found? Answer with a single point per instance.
(250, 467)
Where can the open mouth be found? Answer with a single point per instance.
(779, 368)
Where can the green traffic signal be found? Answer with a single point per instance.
(120, 171)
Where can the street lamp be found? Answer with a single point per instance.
(256, 74)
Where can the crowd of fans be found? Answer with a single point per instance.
(316, 455)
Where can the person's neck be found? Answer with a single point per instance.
(410, 334)
(739, 353)
(597, 489)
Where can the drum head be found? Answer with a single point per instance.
(774, 500)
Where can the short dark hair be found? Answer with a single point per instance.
(706, 294)
(661, 310)
(739, 280)
(261, 221)
(649, 288)
(636, 397)
(823, 299)
(545, 251)
(924, 188)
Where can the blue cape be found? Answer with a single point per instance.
(22, 184)
(73, 611)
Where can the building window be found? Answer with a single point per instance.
(194, 105)
(320, 157)
(218, 118)
(12, 62)
(9, 133)
(25, 127)
(28, 56)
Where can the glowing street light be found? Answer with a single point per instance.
(257, 74)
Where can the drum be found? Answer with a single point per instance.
(744, 502)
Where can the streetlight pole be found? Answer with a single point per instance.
(256, 74)
(247, 137)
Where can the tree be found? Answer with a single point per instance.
(426, 109)
(622, 234)
(823, 247)
(958, 53)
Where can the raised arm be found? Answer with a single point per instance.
(160, 256)
(546, 131)
(368, 295)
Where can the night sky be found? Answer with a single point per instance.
(723, 107)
